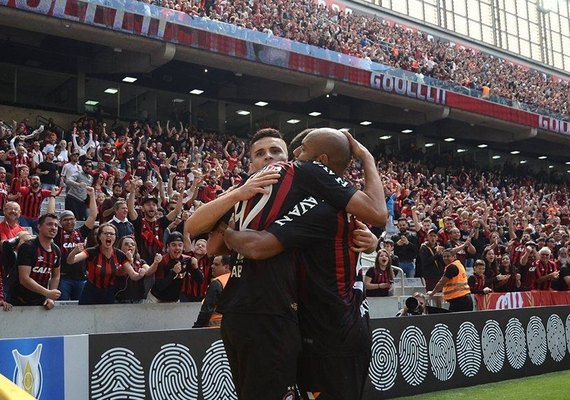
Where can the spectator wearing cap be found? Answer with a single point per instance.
(73, 277)
(171, 272)
(405, 247)
(77, 190)
(431, 260)
(121, 220)
(149, 229)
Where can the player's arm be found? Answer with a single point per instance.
(363, 240)
(255, 245)
(207, 215)
(368, 205)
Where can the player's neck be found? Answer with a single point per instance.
(45, 242)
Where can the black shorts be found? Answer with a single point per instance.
(464, 303)
(262, 351)
(334, 378)
(339, 376)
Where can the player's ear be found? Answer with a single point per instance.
(323, 159)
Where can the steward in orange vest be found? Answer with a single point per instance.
(208, 317)
(454, 284)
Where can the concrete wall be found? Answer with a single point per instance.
(74, 319)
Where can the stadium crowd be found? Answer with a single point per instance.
(380, 40)
(141, 181)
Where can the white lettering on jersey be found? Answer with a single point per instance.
(300, 209)
(41, 270)
(236, 271)
(338, 179)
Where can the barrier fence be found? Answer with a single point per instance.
(410, 355)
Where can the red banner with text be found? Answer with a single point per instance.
(511, 300)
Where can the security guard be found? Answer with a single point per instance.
(454, 284)
(208, 316)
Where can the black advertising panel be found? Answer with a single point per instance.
(410, 355)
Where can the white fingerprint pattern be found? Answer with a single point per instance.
(556, 337)
(493, 345)
(217, 381)
(413, 355)
(468, 349)
(442, 352)
(536, 340)
(568, 332)
(118, 375)
(173, 374)
(515, 343)
(384, 363)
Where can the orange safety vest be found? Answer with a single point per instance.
(216, 317)
(457, 286)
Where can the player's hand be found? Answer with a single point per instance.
(356, 149)
(53, 294)
(49, 304)
(257, 184)
(363, 240)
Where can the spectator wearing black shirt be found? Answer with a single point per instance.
(39, 267)
(171, 272)
(406, 247)
(208, 316)
(478, 282)
(73, 277)
(48, 172)
(431, 260)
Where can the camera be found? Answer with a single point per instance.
(413, 307)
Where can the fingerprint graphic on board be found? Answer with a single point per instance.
(118, 375)
(173, 374)
(515, 343)
(217, 381)
(442, 352)
(468, 349)
(413, 355)
(536, 340)
(568, 332)
(493, 345)
(556, 337)
(384, 363)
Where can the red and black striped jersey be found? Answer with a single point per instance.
(17, 183)
(18, 161)
(379, 276)
(269, 286)
(331, 289)
(102, 270)
(42, 262)
(197, 290)
(167, 284)
(31, 201)
(149, 236)
(477, 283)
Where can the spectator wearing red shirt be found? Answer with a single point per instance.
(31, 198)
(210, 191)
(444, 234)
(3, 188)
